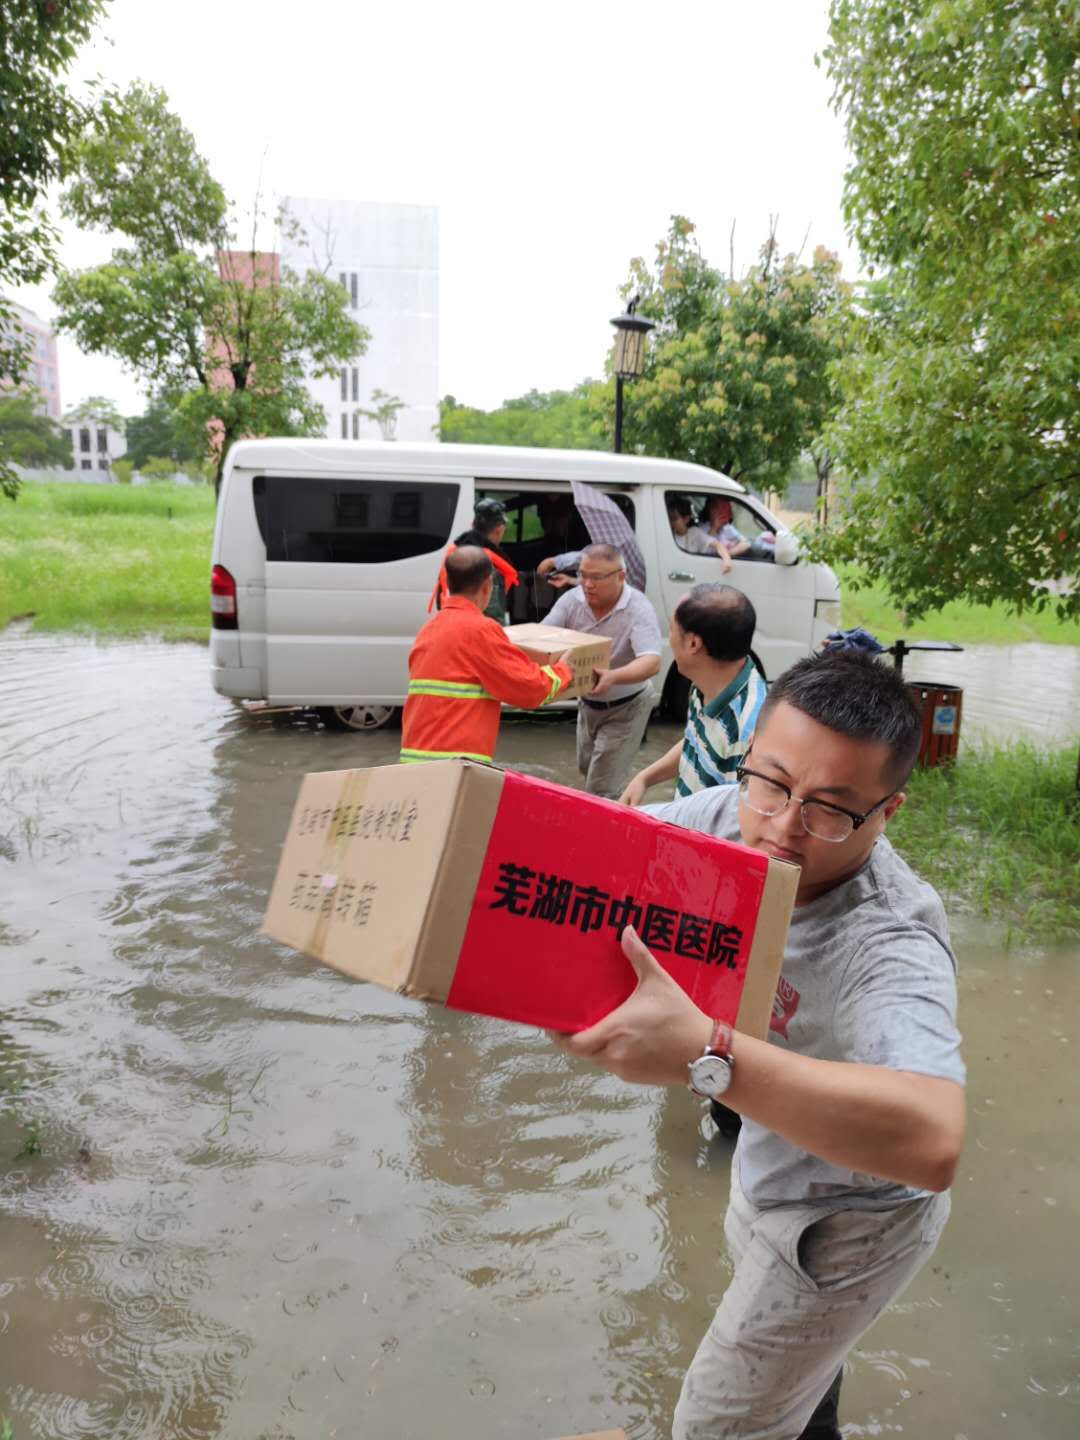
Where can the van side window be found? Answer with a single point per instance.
(352, 522)
(698, 520)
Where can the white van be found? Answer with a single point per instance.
(326, 554)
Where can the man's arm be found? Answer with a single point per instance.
(644, 667)
(892, 1124)
(666, 768)
(508, 674)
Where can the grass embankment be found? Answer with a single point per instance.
(108, 559)
(998, 834)
(965, 624)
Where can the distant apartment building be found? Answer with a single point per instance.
(387, 259)
(43, 369)
(95, 443)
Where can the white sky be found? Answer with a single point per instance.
(556, 140)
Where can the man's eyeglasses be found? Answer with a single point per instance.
(595, 579)
(820, 818)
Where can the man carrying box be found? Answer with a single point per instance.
(612, 718)
(462, 668)
(712, 629)
(854, 1113)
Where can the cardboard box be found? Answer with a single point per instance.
(546, 643)
(599, 1435)
(505, 895)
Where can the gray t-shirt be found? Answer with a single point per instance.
(631, 624)
(869, 977)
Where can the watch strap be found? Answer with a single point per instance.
(719, 1040)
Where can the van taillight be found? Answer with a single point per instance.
(222, 599)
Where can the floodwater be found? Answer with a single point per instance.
(241, 1196)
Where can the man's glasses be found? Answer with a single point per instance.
(820, 818)
(596, 579)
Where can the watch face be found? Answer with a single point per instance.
(710, 1076)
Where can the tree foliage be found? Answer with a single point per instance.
(223, 332)
(559, 419)
(30, 439)
(958, 427)
(737, 372)
(99, 409)
(39, 116)
(155, 434)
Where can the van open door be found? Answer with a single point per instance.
(351, 562)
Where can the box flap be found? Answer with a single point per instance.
(451, 899)
(359, 865)
(767, 949)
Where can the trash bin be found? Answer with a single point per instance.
(941, 707)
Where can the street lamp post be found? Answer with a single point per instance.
(630, 332)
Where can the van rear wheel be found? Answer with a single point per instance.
(357, 717)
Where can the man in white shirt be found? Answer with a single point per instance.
(612, 718)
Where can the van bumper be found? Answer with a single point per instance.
(237, 683)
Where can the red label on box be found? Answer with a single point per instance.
(563, 873)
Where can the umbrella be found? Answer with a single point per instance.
(607, 525)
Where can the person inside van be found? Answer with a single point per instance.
(688, 536)
(488, 529)
(718, 526)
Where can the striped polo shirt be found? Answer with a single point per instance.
(718, 734)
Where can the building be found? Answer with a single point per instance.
(95, 443)
(43, 369)
(387, 259)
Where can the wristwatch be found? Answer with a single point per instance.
(710, 1073)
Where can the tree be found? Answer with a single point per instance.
(99, 409)
(38, 118)
(30, 439)
(560, 419)
(155, 433)
(737, 373)
(225, 332)
(385, 412)
(958, 427)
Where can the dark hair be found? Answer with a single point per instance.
(681, 505)
(487, 514)
(855, 695)
(467, 569)
(721, 616)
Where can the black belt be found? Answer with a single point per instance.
(610, 704)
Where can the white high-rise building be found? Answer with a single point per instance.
(387, 258)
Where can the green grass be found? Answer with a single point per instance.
(117, 560)
(965, 624)
(108, 559)
(998, 835)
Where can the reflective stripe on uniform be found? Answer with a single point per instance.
(414, 757)
(449, 690)
(556, 684)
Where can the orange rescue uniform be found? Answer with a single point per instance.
(461, 668)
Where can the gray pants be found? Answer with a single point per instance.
(808, 1282)
(608, 740)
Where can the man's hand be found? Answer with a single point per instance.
(634, 793)
(560, 582)
(602, 683)
(652, 1037)
(566, 658)
(546, 566)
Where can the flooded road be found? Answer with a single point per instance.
(248, 1198)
